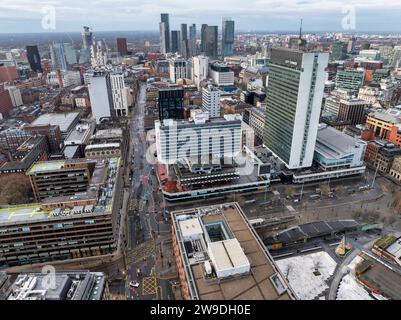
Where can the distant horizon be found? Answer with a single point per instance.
(356, 16)
(389, 32)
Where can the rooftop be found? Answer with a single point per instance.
(333, 143)
(224, 257)
(22, 213)
(108, 133)
(43, 166)
(386, 116)
(63, 120)
(78, 285)
(102, 183)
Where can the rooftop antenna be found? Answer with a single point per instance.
(300, 30)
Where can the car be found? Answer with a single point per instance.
(134, 284)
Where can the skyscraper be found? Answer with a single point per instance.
(175, 41)
(211, 38)
(200, 67)
(164, 27)
(184, 31)
(203, 37)
(184, 40)
(294, 99)
(211, 101)
(57, 54)
(86, 37)
(34, 58)
(227, 40)
(192, 39)
(71, 54)
(122, 46)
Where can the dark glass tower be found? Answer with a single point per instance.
(171, 104)
(175, 41)
(34, 58)
(227, 40)
(211, 38)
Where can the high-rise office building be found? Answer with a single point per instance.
(211, 39)
(200, 69)
(171, 103)
(227, 40)
(109, 95)
(184, 31)
(34, 58)
(192, 39)
(184, 41)
(86, 37)
(120, 94)
(71, 54)
(350, 80)
(164, 28)
(98, 54)
(178, 69)
(122, 46)
(211, 101)
(221, 74)
(175, 41)
(293, 104)
(203, 37)
(57, 54)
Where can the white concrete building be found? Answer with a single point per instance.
(64, 78)
(15, 95)
(211, 101)
(200, 69)
(120, 94)
(221, 74)
(178, 69)
(294, 100)
(71, 78)
(181, 140)
(98, 55)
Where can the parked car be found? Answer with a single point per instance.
(134, 284)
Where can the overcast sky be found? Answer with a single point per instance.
(103, 15)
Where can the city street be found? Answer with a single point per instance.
(145, 222)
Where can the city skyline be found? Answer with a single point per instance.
(256, 15)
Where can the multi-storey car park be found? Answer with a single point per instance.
(65, 226)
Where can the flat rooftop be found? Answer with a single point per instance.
(22, 213)
(108, 133)
(43, 166)
(63, 120)
(78, 285)
(262, 282)
(335, 144)
(379, 277)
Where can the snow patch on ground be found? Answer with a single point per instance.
(350, 289)
(300, 270)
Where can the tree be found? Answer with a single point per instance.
(15, 189)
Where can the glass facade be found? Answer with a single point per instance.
(282, 95)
